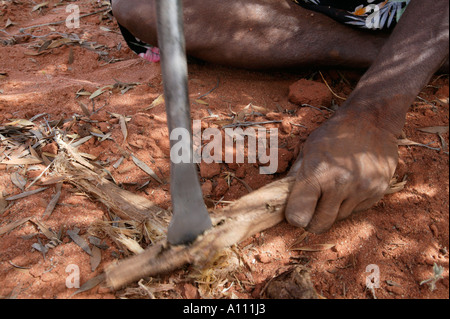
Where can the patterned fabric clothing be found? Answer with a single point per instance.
(367, 14)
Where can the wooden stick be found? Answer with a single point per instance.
(247, 216)
(252, 213)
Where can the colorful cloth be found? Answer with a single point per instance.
(368, 14)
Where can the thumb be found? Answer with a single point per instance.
(302, 202)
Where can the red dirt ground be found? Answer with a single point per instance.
(405, 234)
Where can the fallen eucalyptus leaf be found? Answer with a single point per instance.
(3, 204)
(39, 6)
(434, 129)
(73, 234)
(123, 127)
(44, 229)
(25, 194)
(96, 257)
(100, 91)
(18, 180)
(11, 226)
(198, 101)
(20, 123)
(8, 23)
(158, 101)
(52, 204)
(91, 283)
(145, 168)
(315, 247)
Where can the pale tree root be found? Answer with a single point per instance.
(251, 214)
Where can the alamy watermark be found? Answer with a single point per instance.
(73, 279)
(261, 148)
(373, 279)
(73, 19)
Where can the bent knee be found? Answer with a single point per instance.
(138, 16)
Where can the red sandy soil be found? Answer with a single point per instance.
(405, 234)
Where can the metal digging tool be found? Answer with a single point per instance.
(190, 217)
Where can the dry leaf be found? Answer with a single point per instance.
(123, 127)
(96, 257)
(81, 141)
(124, 87)
(39, 6)
(20, 123)
(315, 247)
(259, 109)
(158, 101)
(91, 283)
(11, 226)
(201, 102)
(33, 53)
(88, 156)
(16, 291)
(300, 239)
(18, 180)
(3, 204)
(100, 91)
(116, 115)
(145, 168)
(85, 109)
(434, 129)
(53, 180)
(52, 204)
(41, 248)
(83, 92)
(22, 161)
(59, 42)
(44, 229)
(395, 186)
(73, 234)
(44, 46)
(33, 152)
(119, 161)
(8, 23)
(407, 142)
(25, 194)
